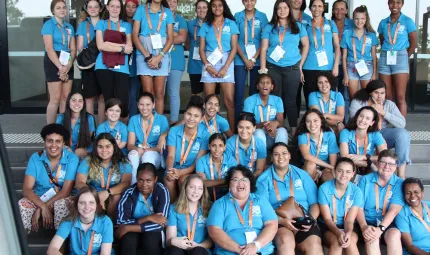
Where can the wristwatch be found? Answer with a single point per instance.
(108, 190)
(122, 49)
(369, 161)
(382, 228)
(257, 244)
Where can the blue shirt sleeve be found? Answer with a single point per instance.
(200, 165)
(303, 32)
(82, 29)
(130, 127)
(32, 166)
(378, 139)
(333, 148)
(262, 188)
(380, 26)
(127, 169)
(107, 235)
(203, 30)
(344, 136)
(247, 105)
(410, 26)
(343, 43)
(333, 27)
(303, 139)
(72, 167)
(100, 24)
(266, 32)
(124, 134)
(171, 219)
(223, 125)
(64, 229)
(138, 14)
(128, 28)
(358, 198)
(261, 152)
(322, 199)
(397, 197)
(204, 145)
(313, 100)
(216, 214)
(91, 123)
(182, 24)
(170, 19)
(375, 40)
(60, 118)
(279, 105)
(234, 30)
(47, 28)
(402, 223)
(171, 137)
(84, 167)
(339, 100)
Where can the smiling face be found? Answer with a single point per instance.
(413, 194)
(365, 119)
(386, 167)
(114, 8)
(211, 107)
(130, 9)
(60, 10)
(281, 157)
(249, 4)
(87, 205)
(313, 123)
(344, 173)
(217, 148)
(217, 8)
(317, 8)
(378, 95)
(145, 182)
(93, 8)
(145, 106)
(192, 117)
(360, 19)
(340, 10)
(105, 149)
(395, 6)
(194, 190)
(173, 4)
(113, 113)
(54, 145)
(283, 11)
(324, 85)
(265, 86)
(240, 186)
(245, 129)
(202, 10)
(76, 103)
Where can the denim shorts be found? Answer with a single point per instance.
(353, 74)
(143, 68)
(401, 67)
(229, 76)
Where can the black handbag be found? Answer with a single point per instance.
(87, 57)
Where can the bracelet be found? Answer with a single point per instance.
(253, 60)
(162, 53)
(208, 65)
(110, 193)
(263, 71)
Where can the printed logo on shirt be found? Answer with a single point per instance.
(256, 23)
(156, 130)
(272, 112)
(304, 22)
(327, 28)
(224, 171)
(69, 31)
(116, 178)
(324, 149)
(390, 194)
(97, 240)
(164, 16)
(176, 26)
(226, 30)
(298, 184)
(256, 210)
(195, 148)
(401, 29)
(349, 202)
(368, 41)
(201, 220)
(122, 29)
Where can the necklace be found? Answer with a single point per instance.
(85, 222)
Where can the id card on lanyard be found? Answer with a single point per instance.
(253, 154)
(146, 133)
(392, 54)
(216, 55)
(156, 37)
(279, 51)
(360, 66)
(64, 55)
(250, 233)
(249, 48)
(320, 54)
(196, 50)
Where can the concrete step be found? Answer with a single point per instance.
(420, 152)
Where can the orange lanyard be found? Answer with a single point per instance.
(281, 36)
(275, 185)
(318, 145)
(422, 218)
(90, 247)
(63, 41)
(212, 173)
(333, 197)
(102, 177)
(239, 213)
(218, 34)
(246, 30)
(390, 39)
(315, 33)
(322, 105)
(159, 21)
(119, 25)
(366, 141)
(215, 129)
(190, 144)
(354, 48)
(260, 108)
(384, 206)
(251, 162)
(147, 131)
(191, 231)
(147, 204)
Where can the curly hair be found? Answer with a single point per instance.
(302, 129)
(245, 172)
(55, 128)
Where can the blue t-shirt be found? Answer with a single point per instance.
(221, 124)
(118, 132)
(367, 186)
(305, 190)
(328, 145)
(69, 165)
(203, 166)
(102, 25)
(207, 31)
(306, 19)
(174, 138)
(194, 66)
(246, 156)
(311, 62)
(124, 168)
(260, 22)
(177, 54)
(407, 25)
(140, 16)
(80, 240)
(82, 31)
(161, 125)
(52, 27)
(374, 139)
(223, 215)
(253, 104)
(336, 98)
(290, 44)
(353, 197)
(407, 222)
(76, 128)
(346, 43)
(141, 209)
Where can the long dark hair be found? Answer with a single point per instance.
(74, 213)
(364, 93)
(195, 102)
(121, 14)
(226, 12)
(352, 123)
(302, 129)
(333, 17)
(292, 23)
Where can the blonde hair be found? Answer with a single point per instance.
(95, 168)
(182, 202)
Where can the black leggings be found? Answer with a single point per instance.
(149, 241)
(173, 250)
(114, 85)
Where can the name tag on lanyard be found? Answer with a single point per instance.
(250, 50)
(391, 58)
(196, 53)
(250, 236)
(277, 54)
(48, 195)
(156, 41)
(64, 57)
(361, 68)
(215, 57)
(322, 58)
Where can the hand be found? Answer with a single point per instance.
(47, 217)
(249, 64)
(379, 108)
(289, 224)
(103, 196)
(369, 233)
(153, 62)
(202, 175)
(249, 249)
(340, 126)
(161, 146)
(357, 158)
(64, 69)
(346, 240)
(121, 230)
(222, 73)
(271, 127)
(212, 71)
(341, 237)
(182, 243)
(35, 220)
(194, 244)
(158, 218)
(335, 71)
(302, 77)
(345, 80)
(172, 173)
(128, 49)
(306, 228)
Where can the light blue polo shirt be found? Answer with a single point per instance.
(124, 168)
(69, 165)
(290, 44)
(161, 125)
(223, 215)
(407, 25)
(82, 31)
(311, 62)
(120, 131)
(328, 145)
(179, 221)
(221, 123)
(50, 27)
(245, 156)
(346, 43)
(202, 165)
(140, 16)
(348, 25)
(305, 190)
(141, 210)
(260, 22)
(353, 197)
(177, 54)
(252, 105)
(315, 99)
(306, 19)
(367, 186)
(80, 240)
(407, 222)
(75, 129)
(374, 140)
(174, 138)
(194, 66)
(207, 31)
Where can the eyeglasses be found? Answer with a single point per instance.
(384, 164)
(244, 179)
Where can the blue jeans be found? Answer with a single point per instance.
(134, 90)
(281, 136)
(400, 140)
(173, 86)
(240, 77)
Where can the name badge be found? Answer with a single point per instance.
(277, 54)
(250, 236)
(250, 50)
(357, 178)
(322, 58)
(391, 58)
(361, 68)
(215, 57)
(130, 61)
(117, 67)
(64, 57)
(196, 54)
(48, 195)
(156, 41)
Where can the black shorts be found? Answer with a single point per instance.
(302, 236)
(196, 85)
(324, 228)
(381, 240)
(51, 71)
(90, 85)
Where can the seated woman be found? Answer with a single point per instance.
(49, 180)
(247, 149)
(340, 200)
(330, 103)
(107, 170)
(413, 220)
(147, 133)
(270, 111)
(277, 184)
(391, 121)
(142, 213)
(186, 144)
(80, 124)
(359, 140)
(242, 222)
(213, 166)
(89, 231)
(186, 231)
(318, 146)
(212, 120)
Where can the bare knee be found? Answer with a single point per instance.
(284, 240)
(392, 237)
(311, 168)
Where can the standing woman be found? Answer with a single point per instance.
(60, 53)
(251, 23)
(218, 47)
(280, 48)
(398, 37)
(112, 69)
(298, 11)
(153, 38)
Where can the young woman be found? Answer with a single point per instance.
(340, 201)
(147, 133)
(213, 166)
(112, 62)
(298, 11)
(212, 120)
(251, 23)
(398, 37)
(88, 230)
(80, 124)
(318, 145)
(186, 231)
(107, 170)
(153, 37)
(48, 181)
(185, 145)
(60, 53)
(280, 48)
(218, 47)
(391, 122)
(247, 149)
(359, 52)
(270, 112)
(142, 213)
(85, 34)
